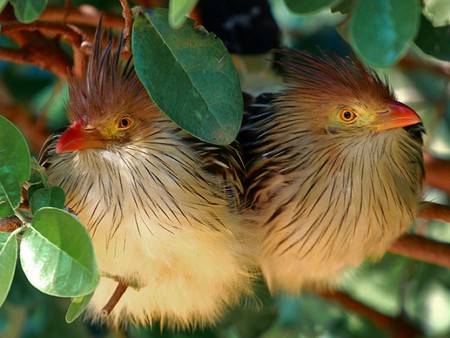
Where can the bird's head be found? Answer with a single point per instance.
(341, 96)
(108, 107)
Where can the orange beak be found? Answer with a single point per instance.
(396, 116)
(78, 137)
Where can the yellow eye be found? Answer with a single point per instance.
(125, 122)
(347, 115)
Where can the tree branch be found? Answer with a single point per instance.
(399, 327)
(438, 172)
(69, 33)
(423, 249)
(52, 62)
(435, 211)
(83, 15)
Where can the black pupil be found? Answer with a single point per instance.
(347, 115)
(124, 123)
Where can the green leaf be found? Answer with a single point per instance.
(178, 10)
(28, 10)
(309, 6)
(47, 197)
(382, 30)
(190, 76)
(57, 255)
(8, 259)
(344, 6)
(434, 41)
(77, 307)
(14, 166)
(3, 4)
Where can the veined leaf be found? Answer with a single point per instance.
(57, 255)
(390, 25)
(8, 258)
(189, 75)
(28, 10)
(14, 166)
(47, 197)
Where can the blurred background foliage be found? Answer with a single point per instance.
(395, 297)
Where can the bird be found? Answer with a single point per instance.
(162, 207)
(334, 170)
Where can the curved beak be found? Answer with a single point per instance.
(78, 137)
(396, 116)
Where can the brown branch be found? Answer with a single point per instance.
(67, 8)
(83, 15)
(41, 58)
(423, 249)
(69, 33)
(410, 62)
(118, 293)
(10, 224)
(398, 326)
(437, 172)
(126, 14)
(435, 211)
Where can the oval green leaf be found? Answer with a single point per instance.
(47, 197)
(381, 31)
(189, 75)
(28, 10)
(8, 259)
(178, 10)
(309, 6)
(57, 255)
(14, 166)
(77, 307)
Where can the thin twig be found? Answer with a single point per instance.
(118, 293)
(128, 17)
(67, 8)
(421, 248)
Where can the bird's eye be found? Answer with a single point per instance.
(125, 123)
(347, 115)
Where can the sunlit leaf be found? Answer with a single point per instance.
(28, 10)
(178, 10)
(390, 25)
(190, 76)
(77, 307)
(8, 258)
(14, 166)
(3, 4)
(57, 255)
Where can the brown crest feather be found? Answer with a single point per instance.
(330, 77)
(109, 85)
